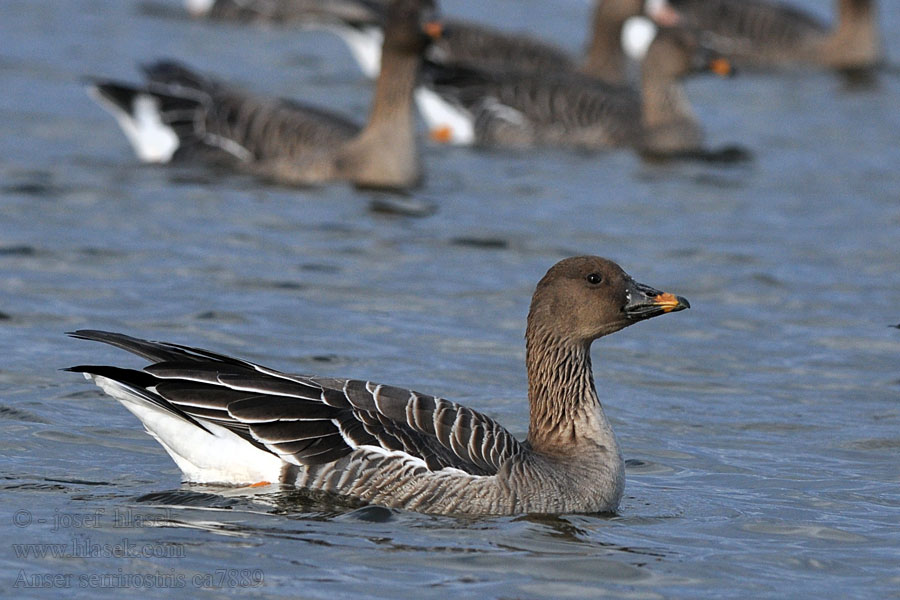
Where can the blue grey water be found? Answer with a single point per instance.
(761, 428)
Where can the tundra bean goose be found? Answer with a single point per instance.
(464, 43)
(478, 46)
(764, 33)
(523, 111)
(288, 11)
(179, 113)
(226, 420)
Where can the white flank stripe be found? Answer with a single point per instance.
(442, 115)
(230, 146)
(405, 456)
(414, 461)
(457, 472)
(504, 111)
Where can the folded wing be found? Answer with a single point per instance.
(307, 420)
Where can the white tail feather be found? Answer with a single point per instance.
(440, 115)
(214, 456)
(152, 140)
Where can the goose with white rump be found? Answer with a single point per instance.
(572, 111)
(179, 114)
(225, 420)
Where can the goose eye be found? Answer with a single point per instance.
(594, 278)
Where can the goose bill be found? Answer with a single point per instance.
(645, 302)
(721, 67)
(433, 29)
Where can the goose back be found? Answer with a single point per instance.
(765, 33)
(573, 111)
(522, 111)
(288, 11)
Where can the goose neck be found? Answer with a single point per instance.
(565, 409)
(604, 58)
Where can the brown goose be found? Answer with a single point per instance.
(605, 57)
(226, 420)
(522, 111)
(764, 33)
(287, 11)
(477, 46)
(179, 113)
(463, 43)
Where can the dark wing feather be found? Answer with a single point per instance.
(472, 45)
(269, 409)
(155, 351)
(309, 420)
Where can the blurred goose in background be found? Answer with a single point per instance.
(288, 11)
(179, 114)
(468, 46)
(225, 420)
(566, 110)
(463, 43)
(359, 23)
(764, 33)
(477, 46)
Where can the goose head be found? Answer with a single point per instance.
(410, 25)
(583, 298)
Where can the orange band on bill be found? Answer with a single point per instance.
(720, 66)
(433, 29)
(667, 302)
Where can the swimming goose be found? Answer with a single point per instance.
(472, 45)
(466, 45)
(180, 113)
(463, 43)
(523, 111)
(287, 11)
(359, 23)
(605, 58)
(225, 420)
(762, 33)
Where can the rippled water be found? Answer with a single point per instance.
(761, 428)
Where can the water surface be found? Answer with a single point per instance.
(760, 427)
